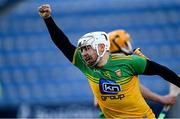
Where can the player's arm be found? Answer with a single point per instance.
(153, 68)
(148, 94)
(57, 35)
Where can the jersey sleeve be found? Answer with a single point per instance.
(60, 39)
(138, 64)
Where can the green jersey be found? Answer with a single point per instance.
(116, 85)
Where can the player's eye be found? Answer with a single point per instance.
(85, 48)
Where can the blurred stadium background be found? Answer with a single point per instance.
(38, 81)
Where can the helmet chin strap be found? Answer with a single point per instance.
(99, 56)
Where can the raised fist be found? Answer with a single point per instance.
(44, 11)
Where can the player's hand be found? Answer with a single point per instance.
(168, 99)
(138, 52)
(44, 11)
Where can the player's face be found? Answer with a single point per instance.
(89, 55)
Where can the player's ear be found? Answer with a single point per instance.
(101, 47)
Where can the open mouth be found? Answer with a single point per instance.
(88, 60)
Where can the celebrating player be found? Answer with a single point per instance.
(113, 77)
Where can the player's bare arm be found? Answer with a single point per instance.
(148, 94)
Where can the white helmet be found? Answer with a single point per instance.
(94, 39)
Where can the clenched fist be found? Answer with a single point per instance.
(44, 11)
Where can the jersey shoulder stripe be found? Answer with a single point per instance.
(124, 81)
(93, 79)
(121, 57)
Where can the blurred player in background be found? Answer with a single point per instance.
(113, 78)
(121, 42)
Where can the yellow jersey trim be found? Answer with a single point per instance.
(73, 61)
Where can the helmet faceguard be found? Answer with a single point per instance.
(120, 41)
(93, 39)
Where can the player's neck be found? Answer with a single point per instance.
(103, 60)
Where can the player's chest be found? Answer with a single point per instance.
(113, 73)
